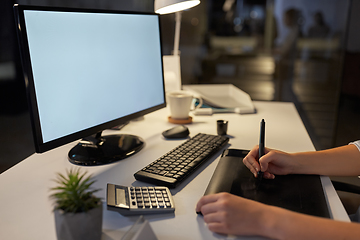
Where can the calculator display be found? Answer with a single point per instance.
(121, 199)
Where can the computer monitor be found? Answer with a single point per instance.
(86, 71)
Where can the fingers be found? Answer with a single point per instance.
(250, 161)
(253, 165)
(214, 206)
(217, 222)
(266, 159)
(268, 175)
(230, 214)
(217, 227)
(212, 203)
(206, 200)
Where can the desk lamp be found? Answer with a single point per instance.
(172, 73)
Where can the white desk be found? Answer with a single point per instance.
(26, 210)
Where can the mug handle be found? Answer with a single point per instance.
(193, 107)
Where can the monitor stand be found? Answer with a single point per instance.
(99, 150)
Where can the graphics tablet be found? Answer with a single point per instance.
(299, 193)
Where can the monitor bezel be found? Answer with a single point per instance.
(40, 145)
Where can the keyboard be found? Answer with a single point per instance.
(175, 166)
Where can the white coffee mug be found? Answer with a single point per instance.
(180, 103)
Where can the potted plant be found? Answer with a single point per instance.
(78, 213)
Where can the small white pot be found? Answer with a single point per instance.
(75, 226)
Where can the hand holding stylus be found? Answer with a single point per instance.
(273, 162)
(266, 163)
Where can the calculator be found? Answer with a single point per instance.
(139, 200)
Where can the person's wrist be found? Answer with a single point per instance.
(299, 163)
(273, 222)
(295, 163)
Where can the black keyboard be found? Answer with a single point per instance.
(175, 166)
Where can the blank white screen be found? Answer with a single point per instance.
(91, 68)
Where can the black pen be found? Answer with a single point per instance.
(261, 145)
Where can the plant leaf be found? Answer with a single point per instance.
(74, 192)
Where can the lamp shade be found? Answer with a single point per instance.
(170, 6)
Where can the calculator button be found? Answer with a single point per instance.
(154, 205)
(140, 205)
(161, 204)
(147, 205)
(146, 199)
(168, 204)
(133, 203)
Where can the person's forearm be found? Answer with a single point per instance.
(284, 224)
(341, 161)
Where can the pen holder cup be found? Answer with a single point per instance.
(221, 127)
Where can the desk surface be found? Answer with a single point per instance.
(26, 210)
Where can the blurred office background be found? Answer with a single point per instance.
(303, 51)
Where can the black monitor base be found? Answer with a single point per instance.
(101, 150)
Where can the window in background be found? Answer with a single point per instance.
(281, 50)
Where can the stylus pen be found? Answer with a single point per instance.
(261, 145)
